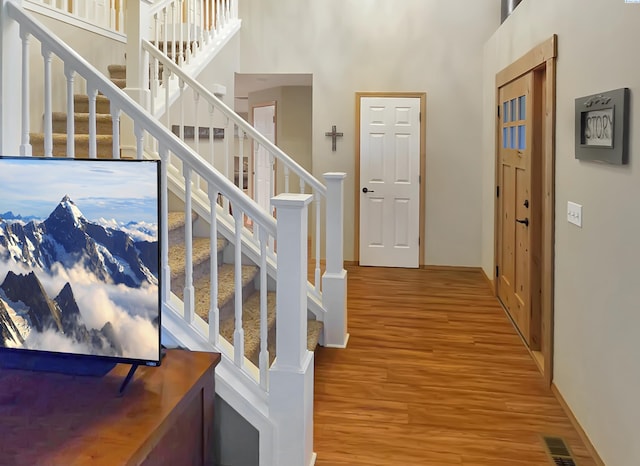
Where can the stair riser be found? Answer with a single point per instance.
(254, 356)
(81, 105)
(117, 71)
(104, 150)
(227, 311)
(81, 126)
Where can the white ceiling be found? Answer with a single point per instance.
(246, 83)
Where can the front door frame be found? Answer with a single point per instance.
(423, 131)
(541, 58)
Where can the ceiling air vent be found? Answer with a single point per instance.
(558, 450)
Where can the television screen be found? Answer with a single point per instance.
(79, 258)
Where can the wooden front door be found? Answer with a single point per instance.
(517, 203)
(389, 181)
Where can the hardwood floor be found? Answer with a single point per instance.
(434, 374)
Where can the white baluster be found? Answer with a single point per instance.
(264, 328)
(286, 179)
(139, 133)
(182, 48)
(206, 22)
(48, 123)
(218, 16)
(189, 292)
(201, 22)
(302, 186)
(164, 222)
(212, 135)
(155, 83)
(111, 10)
(196, 127)
(165, 32)
(214, 311)
(166, 75)
(156, 30)
(115, 121)
(25, 146)
(241, 160)
(334, 280)
(181, 84)
(174, 25)
(71, 131)
(121, 11)
(238, 335)
(92, 92)
(188, 25)
(316, 204)
(228, 137)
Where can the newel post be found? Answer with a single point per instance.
(137, 27)
(10, 82)
(334, 280)
(291, 376)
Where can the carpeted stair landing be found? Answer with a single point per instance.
(226, 293)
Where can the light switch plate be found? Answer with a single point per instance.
(574, 213)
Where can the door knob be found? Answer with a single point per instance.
(367, 190)
(525, 222)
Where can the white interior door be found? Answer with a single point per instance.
(264, 118)
(389, 181)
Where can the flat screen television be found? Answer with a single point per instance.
(79, 261)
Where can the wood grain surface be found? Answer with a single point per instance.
(52, 419)
(434, 374)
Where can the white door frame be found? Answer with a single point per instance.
(421, 209)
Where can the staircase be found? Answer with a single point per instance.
(275, 394)
(226, 295)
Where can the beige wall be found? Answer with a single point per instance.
(430, 46)
(597, 320)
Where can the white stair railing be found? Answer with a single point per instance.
(105, 14)
(177, 81)
(213, 185)
(183, 28)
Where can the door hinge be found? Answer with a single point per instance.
(419, 179)
(497, 191)
(498, 111)
(497, 271)
(420, 116)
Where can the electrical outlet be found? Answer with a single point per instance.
(574, 213)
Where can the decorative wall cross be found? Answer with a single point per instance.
(334, 137)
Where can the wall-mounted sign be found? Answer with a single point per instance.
(602, 127)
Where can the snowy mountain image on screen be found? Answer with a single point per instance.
(68, 284)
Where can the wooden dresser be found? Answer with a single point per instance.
(165, 416)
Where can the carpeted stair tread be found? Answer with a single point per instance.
(314, 330)
(117, 71)
(226, 288)
(81, 104)
(104, 123)
(251, 325)
(201, 252)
